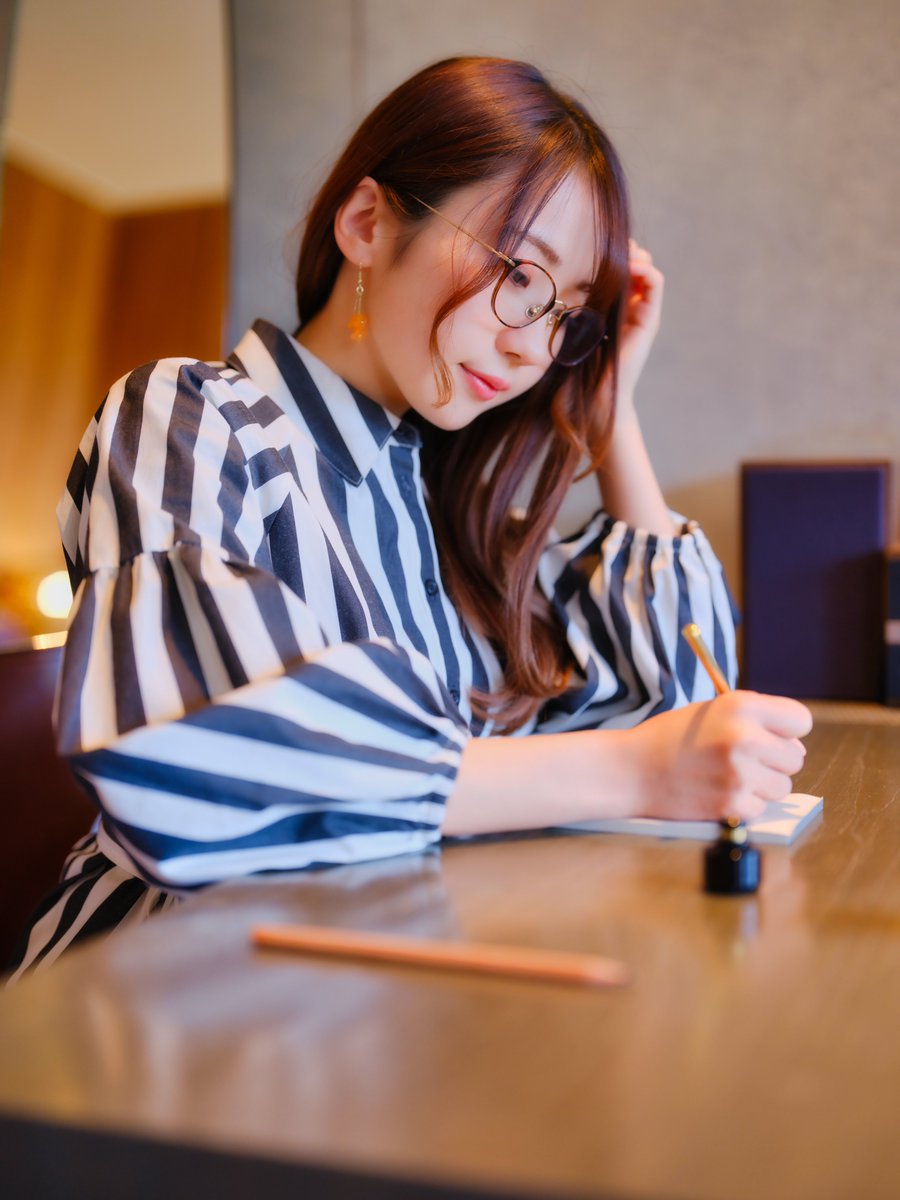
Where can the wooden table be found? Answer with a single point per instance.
(756, 1054)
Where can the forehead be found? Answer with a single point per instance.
(569, 225)
(565, 235)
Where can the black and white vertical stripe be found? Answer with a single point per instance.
(264, 671)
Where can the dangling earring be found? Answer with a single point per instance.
(359, 322)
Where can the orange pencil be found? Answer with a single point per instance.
(555, 966)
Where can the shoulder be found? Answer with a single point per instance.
(184, 397)
(187, 383)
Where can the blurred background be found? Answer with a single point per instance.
(158, 158)
(113, 241)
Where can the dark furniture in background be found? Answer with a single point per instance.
(814, 536)
(892, 626)
(42, 809)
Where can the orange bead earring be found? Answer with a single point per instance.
(359, 322)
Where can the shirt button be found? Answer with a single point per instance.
(406, 486)
(431, 587)
(406, 434)
(454, 695)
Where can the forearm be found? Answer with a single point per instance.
(628, 483)
(534, 782)
(726, 757)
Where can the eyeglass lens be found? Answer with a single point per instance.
(576, 335)
(524, 294)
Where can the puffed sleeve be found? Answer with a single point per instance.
(623, 595)
(219, 727)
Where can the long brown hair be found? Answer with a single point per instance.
(460, 122)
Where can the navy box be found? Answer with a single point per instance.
(814, 536)
(892, 626)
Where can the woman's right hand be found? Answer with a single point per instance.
(722, 757)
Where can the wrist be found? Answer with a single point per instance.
(626, 410)
(619, 765)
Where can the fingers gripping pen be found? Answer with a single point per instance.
(732, 867)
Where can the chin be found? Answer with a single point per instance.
(451, 416)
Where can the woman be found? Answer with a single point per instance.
(312, 626)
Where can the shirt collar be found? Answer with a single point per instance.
(348, 428)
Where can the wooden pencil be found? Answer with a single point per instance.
(555, 966)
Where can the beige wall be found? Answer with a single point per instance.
(122, 102)
(760, 139)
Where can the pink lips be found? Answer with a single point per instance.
(484, 387)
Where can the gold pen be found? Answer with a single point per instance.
(731, 866)
(694, 639)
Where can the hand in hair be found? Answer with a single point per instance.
(628, 482)
(640, 326)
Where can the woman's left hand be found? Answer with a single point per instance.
(640, 325)
(628, 483)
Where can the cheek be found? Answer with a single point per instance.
(406, 303)
(469, 327)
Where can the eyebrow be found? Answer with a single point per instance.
(551, 256)
(547, 250)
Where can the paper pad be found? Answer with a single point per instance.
(780, 824)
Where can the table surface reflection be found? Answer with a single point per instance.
(754, 1054)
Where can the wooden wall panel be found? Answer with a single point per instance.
(166, 291)
(84, 296)
(54, 263)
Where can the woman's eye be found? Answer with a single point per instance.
(520, 277)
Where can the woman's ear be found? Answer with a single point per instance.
(358, 221)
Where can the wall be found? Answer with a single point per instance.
(760, 141)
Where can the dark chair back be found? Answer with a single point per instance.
(42, 809)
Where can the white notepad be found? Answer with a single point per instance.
(780, 824)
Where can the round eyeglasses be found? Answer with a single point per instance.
(526, 292)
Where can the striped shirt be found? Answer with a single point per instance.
(264, 671)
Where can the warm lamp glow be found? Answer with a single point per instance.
(54, 595)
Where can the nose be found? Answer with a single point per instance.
(529, 345)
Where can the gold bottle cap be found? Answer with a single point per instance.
(733, 830)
